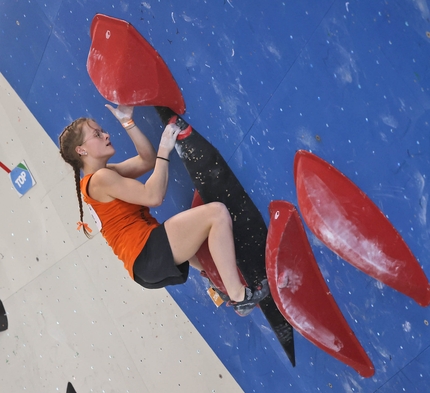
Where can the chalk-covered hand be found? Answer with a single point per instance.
(122, 112)
(168, 138)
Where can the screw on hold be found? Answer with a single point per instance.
(183, 125)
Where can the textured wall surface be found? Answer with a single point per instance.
(347, 80)
(73, 312)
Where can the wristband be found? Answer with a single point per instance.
(162, 158)
(128, 124)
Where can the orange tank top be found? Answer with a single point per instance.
(125, 226)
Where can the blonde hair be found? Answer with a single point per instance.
(71, 137)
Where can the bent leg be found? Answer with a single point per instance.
(195, 263)
(188, 230)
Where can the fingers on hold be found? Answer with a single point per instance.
(172, 127)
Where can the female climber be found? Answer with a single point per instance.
(155, 255)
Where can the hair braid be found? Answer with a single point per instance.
(71, 137)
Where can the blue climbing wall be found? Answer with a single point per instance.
(347, 80)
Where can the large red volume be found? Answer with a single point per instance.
(126, 69)
(351, 225)
(301, 294)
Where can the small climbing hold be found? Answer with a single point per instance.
(3, 318)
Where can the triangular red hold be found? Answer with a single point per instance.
(345, 219)
(301, 294)
(127, 70)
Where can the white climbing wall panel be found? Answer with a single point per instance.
(74, 314)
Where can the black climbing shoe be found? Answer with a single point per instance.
(252, 297)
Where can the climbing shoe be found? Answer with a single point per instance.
(222, 295)
(252, 297)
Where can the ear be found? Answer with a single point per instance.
(80, 151)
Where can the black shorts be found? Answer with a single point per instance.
(155, 267)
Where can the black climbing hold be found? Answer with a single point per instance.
(215, 181)
(3, 318)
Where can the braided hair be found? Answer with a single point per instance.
(71, 137)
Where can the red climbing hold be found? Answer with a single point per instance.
(126, 69)
(350, 224)
(301, 294)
